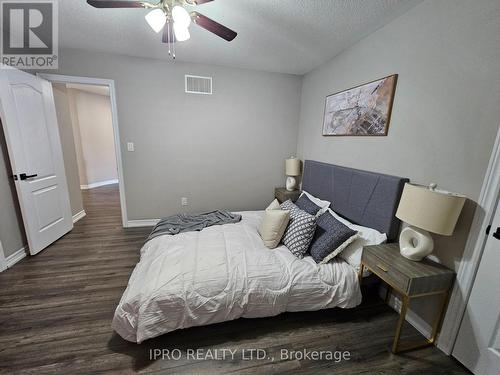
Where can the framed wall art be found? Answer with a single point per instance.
(364, 110)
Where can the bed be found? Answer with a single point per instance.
(225, 272)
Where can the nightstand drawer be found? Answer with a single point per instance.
(386, 271)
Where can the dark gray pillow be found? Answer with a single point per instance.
(330, 238)
(305, 204)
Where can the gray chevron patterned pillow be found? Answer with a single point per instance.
(300, 230)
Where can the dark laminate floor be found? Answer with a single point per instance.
(56, 309)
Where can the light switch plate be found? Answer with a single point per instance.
(130, 146)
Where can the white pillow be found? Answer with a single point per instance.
(367, 236)
(318, 202)
(273, 227)
(275, 205)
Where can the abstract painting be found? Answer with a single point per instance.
(362, 110)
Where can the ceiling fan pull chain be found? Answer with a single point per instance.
(169, 39)
(173, 36)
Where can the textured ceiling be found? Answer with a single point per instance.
(289, 36)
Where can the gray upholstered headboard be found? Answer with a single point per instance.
(365, 198)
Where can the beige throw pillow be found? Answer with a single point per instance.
(273, 227)
(275, 205)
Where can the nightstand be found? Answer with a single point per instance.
(282, 195)
(410, 280)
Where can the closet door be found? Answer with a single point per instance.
(478, 342)
(30, 125)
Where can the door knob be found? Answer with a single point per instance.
(24, 176)
(497, 234)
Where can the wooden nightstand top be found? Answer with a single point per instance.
(281, 194)
(409, 277)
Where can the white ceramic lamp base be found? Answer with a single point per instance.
(291, 183)
(415, 243)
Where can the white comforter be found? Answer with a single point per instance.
(223, 273)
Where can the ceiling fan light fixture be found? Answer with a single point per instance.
(181, 32)
(181, 16)
(156, 19)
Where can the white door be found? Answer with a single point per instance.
(29, 120)
(478, 342)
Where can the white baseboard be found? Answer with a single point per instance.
(97, 184)
(142, 223)
(17, 256)
(78, 216)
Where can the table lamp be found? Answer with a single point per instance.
(426, 209)
(292, 170)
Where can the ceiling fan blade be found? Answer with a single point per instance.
(213, 27)
(198, 2)
(168, 37)
(115, 4)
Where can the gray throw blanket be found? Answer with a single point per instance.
(192, 222)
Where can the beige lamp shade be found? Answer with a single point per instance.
(433, 210)
(292, 167)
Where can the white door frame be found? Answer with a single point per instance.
(57, 78)
(473, 252)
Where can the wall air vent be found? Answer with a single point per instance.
(198, 85)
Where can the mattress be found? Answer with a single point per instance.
(223, 273)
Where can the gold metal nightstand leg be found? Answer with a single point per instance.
(360, 273)
(401, 321)
(397, 347)
(439, 317)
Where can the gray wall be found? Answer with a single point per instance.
(222, 151)
(446, 110)
(11, 225)
(73, 112)
(68, 146)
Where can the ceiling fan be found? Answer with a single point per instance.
(172, 17)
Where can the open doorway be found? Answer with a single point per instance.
(88, 126)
